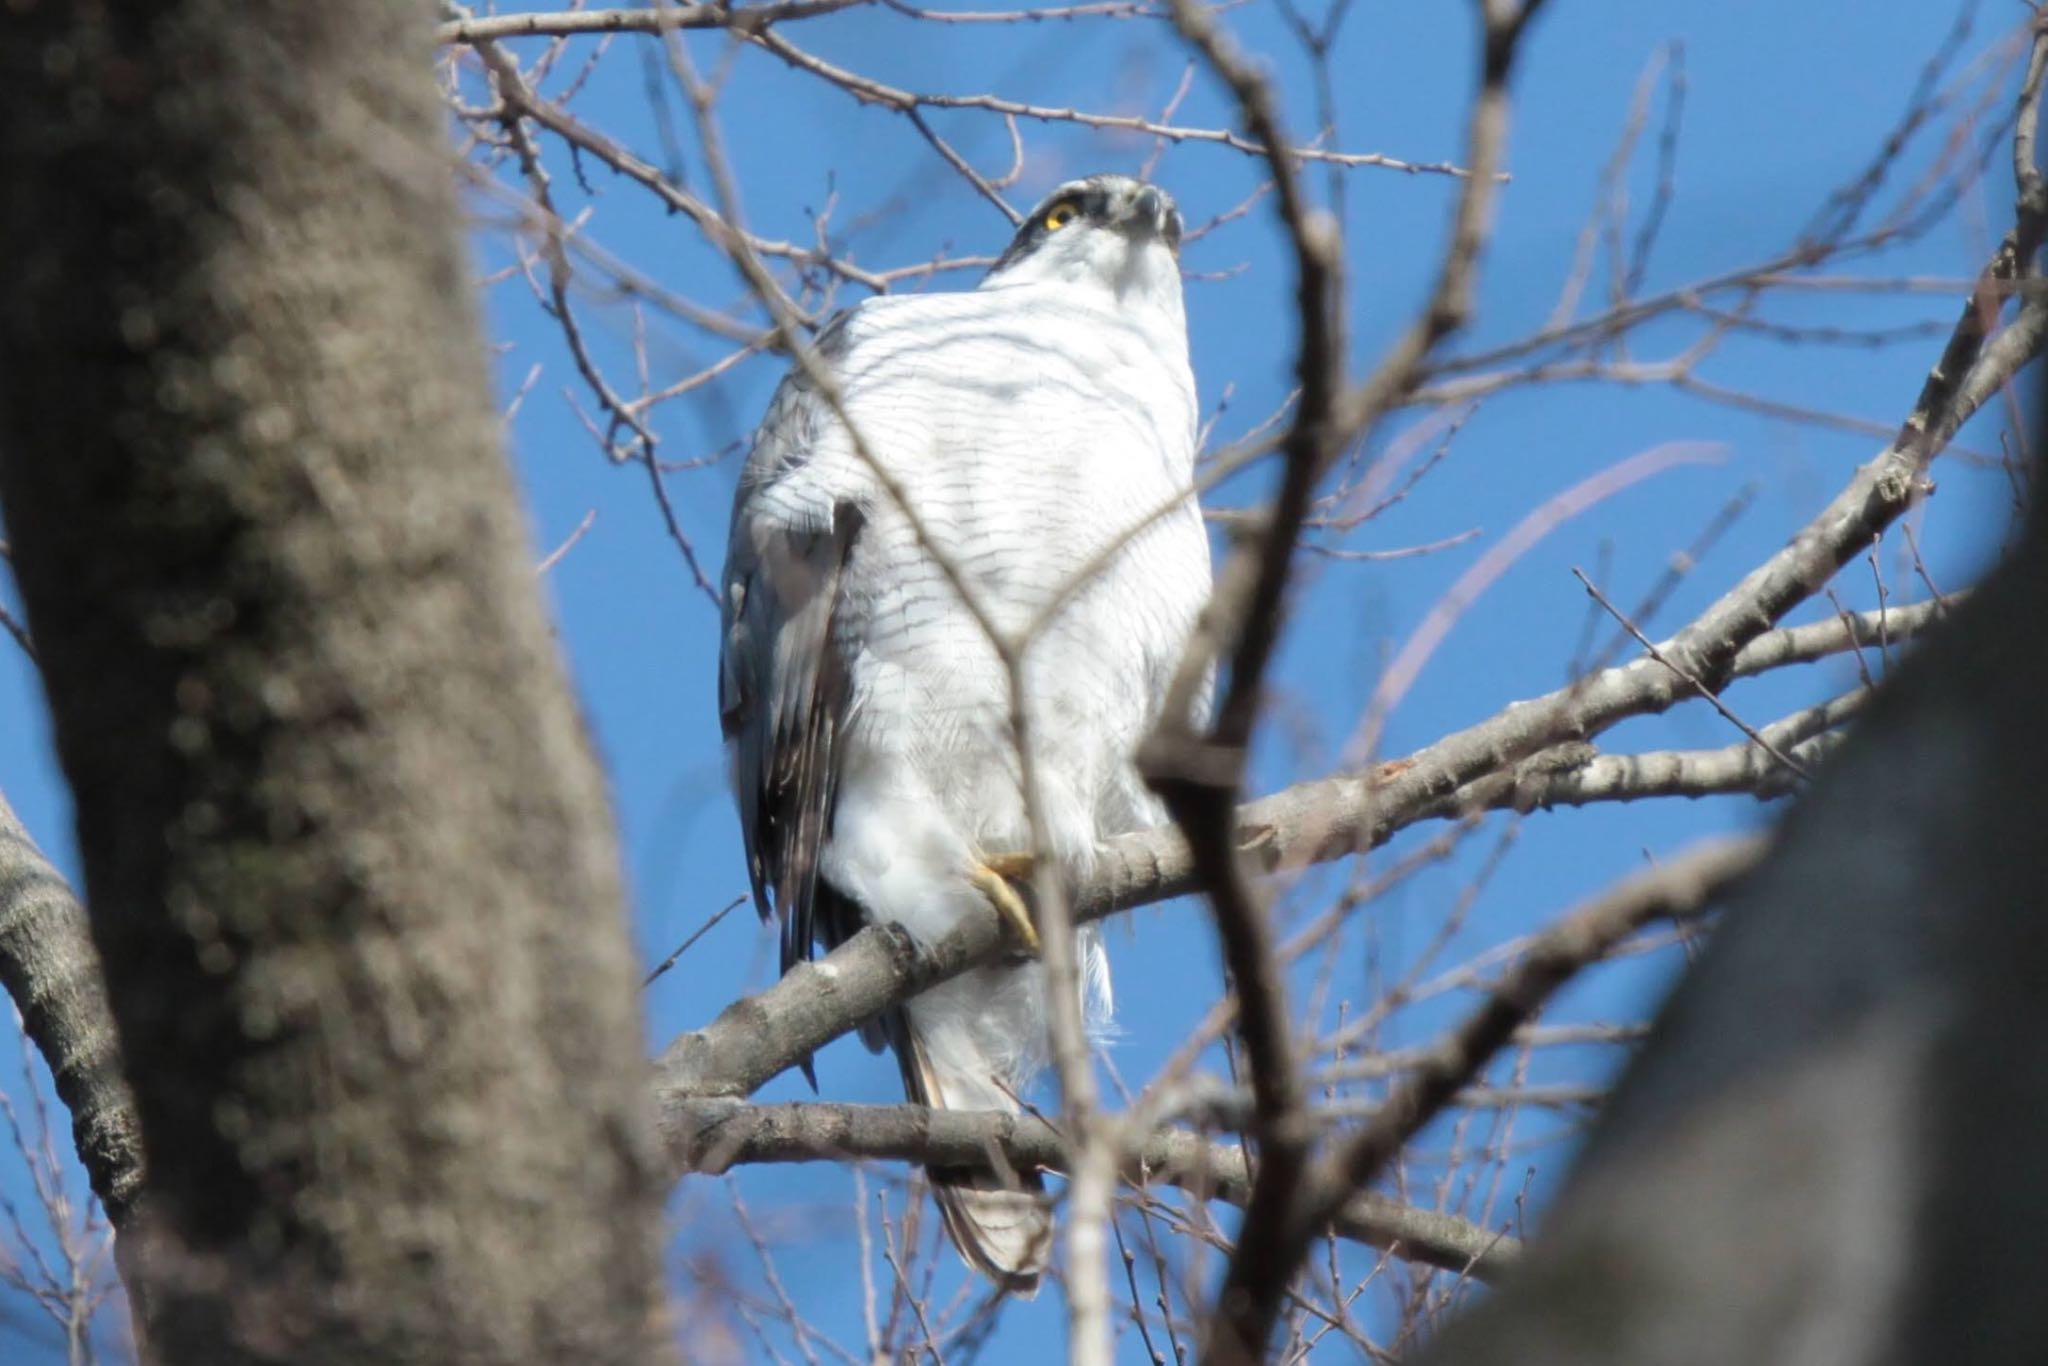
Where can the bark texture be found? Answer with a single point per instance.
(351, 863)
(49, 967)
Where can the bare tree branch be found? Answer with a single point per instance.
(1577, 780)
(1681, 887)
(50, 968)
(1804, 644)
(1677, 889)
(712, 1135)
(15, 629)
(870, 91)
(662, 18)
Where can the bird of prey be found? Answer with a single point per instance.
(1029, 443)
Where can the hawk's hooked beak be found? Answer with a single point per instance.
(1151, 213)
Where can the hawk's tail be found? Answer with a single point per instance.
(998, 1219)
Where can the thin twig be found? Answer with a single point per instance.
(696, 934)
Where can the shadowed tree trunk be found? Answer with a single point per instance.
(351, 863)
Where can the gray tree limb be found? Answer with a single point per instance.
(1803, 644)
(665, 18)
(713, 1135)
(51, 970)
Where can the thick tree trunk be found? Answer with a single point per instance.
(350, 860)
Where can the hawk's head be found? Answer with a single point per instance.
(1108, 230)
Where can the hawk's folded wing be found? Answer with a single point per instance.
(783, 686)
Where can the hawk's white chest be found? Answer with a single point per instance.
(1035, 430)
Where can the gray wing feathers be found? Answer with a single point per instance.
(783, 686)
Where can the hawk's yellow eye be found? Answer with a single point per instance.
(1058, 216)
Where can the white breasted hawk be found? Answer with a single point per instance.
(1041, 427)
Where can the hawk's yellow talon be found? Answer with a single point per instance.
(991, 883)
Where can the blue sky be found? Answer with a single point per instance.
(1782, 104)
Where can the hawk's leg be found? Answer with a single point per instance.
(991, 877)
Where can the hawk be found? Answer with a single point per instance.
(1031, 440)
